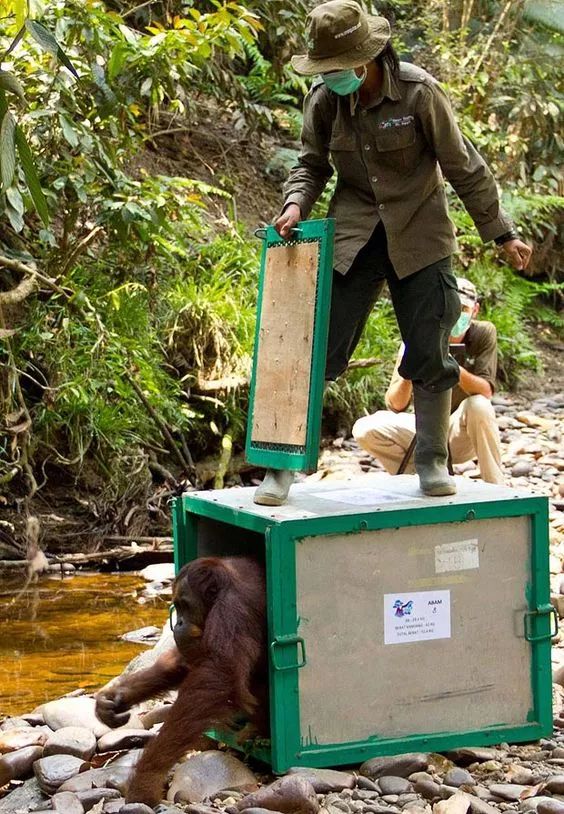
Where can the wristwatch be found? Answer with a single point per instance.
(511, 235)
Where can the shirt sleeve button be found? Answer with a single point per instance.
(381, 206)
(374, 179)
(367, 146)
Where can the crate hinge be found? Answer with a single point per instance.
(541, 610)
(282, 641)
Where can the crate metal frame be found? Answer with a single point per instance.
(288, 650)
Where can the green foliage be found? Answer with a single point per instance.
(145, 287)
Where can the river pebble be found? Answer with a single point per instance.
(397, 765)
(292, 794)
(53, 771)
(19, 764)
(71, 740)
(67, 803)
(325, 780)
(206, 773)
(79, 711)
(124, 738)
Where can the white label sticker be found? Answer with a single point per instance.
(457, 556)
(416, 616)
(363, 497)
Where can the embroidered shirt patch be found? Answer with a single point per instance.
(403, 121)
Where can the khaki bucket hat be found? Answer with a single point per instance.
(341, 36)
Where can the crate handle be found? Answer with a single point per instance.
(285, 640)
(542, 610)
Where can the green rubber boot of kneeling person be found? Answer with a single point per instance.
(273, 491)
(432, 417)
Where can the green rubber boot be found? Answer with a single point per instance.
(274, 489)
(432, 414)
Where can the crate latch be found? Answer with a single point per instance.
(541, 610)
(283, 641)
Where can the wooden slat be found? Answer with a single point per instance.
(285, 344)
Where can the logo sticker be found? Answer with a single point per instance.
(416, 617)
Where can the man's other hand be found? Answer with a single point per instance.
(519, 253)
(288, 220)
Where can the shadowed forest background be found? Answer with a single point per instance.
(140, 146)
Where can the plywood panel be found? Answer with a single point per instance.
(354, 686)
(283, 365)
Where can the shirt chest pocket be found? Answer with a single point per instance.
(342, 146)
(397, 146)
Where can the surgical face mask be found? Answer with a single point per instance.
(343, 82)
(462, 324)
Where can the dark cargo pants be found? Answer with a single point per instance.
(426, 305)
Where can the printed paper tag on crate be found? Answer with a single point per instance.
(416, 616)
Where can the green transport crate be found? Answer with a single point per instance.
(396, 622)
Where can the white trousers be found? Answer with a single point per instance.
(473, 433)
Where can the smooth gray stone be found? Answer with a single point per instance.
(366, 784)
(73, 712)
(19, 765)
(71, 740)
(325, 780)
(532, 803)
(478, 806)
(136, 808)
(26, 797)
(458, 777)
(13, 723)
(390, 798)
(394, 785)
(396, 765)
(19, 737)
(115, 806)
(206, 773)
(124, 738)
(428, 789)
(555, 784)
(67, 803)
(467, 754)
(551, 807)
(55, 770)
(90, 797)
(292, 794)
(508, 791)
(259, 811)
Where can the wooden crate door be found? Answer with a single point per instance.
(285, 345)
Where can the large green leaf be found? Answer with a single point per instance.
(31, 176)
(7, 150)
(20, 7)
(49, 43)
(9, 82)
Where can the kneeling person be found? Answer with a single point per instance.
(473, 432)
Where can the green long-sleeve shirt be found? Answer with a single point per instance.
(391, 159)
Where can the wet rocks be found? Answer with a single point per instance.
(396, 766)
(206, 773)
(326, 780)
(75, 712)
(71, 740)
(458, 777)
(13, 739)
(19, 764)
(389, 784)
(136, 808)
(26, 797)
(67, 803)
(467, 755)
(124, 738)
(508, 791)
(53, 771)
(291, 794)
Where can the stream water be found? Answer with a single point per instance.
(64, 633)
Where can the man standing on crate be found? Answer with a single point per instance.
(389, 435)
(390, 132)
